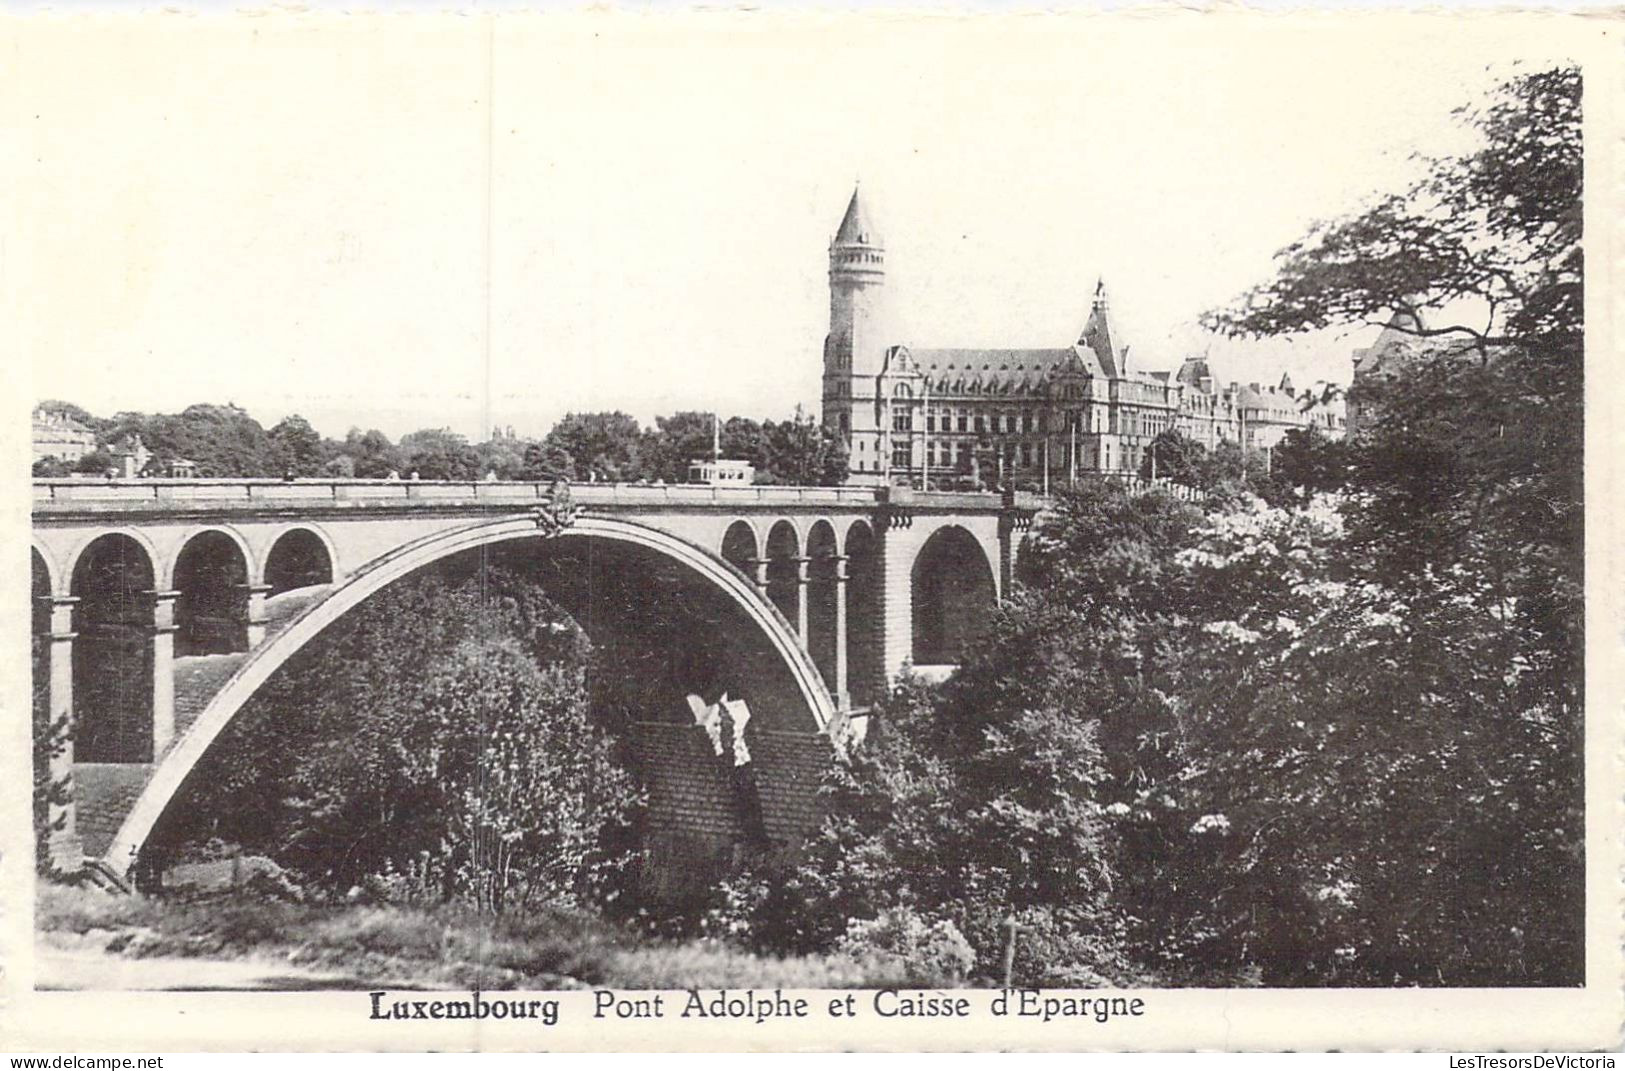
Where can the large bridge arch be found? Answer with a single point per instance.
(816, 705)
(954, 588)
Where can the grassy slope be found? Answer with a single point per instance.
(433, 948)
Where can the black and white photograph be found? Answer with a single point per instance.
(767, 530)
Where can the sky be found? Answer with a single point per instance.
(420, 222)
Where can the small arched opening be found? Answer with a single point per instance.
(822, 565)
(211, 616)
(739, 548)
(112, 653)
(784, 570)
(298, 559)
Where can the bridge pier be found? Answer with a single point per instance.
(803, 581)
(843, 699)
(66, 851)
(894, 562)
(163, 670)
(254, 617)
(758, 574)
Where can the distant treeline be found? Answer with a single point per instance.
(224, 441)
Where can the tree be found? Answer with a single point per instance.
(1463, 546)
(373, 456)
(802, 452)
(296, 447)
(1174, 456)
(444, 731)
(51, 468)
(1308, 462)
(532, 786)
(544, 463)
(97, 461)
(674, 441)
(502, 456)
(604, 446)
(440, 454)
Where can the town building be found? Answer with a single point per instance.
(1401, 342)
(1022, 416)
(130, 456)
(58, 435)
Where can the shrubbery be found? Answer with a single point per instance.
(441, 747)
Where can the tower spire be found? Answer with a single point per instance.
(1097, 333)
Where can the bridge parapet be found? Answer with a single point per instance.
(66, 495)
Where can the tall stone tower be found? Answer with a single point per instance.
(860, 331)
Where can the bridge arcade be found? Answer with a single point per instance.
(133, 579)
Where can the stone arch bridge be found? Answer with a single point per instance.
(161, 606)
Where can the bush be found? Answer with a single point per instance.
(912, 948)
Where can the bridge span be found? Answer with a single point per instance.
(161, 606)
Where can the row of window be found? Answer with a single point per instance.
(1140, 424)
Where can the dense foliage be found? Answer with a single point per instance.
(442, 738)
(1325, 729)
(224, 441)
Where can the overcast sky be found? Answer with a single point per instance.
(375, 223)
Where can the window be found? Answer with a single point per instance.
(930, 421)
(981, 422)
(1026, 455)
(964, 421)
(1027, 421)
(902, 419)
(900, 456)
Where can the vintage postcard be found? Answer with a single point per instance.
(777, 531)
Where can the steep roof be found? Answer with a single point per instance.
(1097, 334)
(1400, 332)
(1193, 371)
(855, 228)
(1001, 371)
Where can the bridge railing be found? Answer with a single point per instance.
(134, 493)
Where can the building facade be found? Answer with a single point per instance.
(59, 436)
(1027, 417)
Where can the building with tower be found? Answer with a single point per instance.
(1029, 417)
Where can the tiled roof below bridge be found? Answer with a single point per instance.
(690, 786)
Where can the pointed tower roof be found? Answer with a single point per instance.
(1097, 334)
(855, 228)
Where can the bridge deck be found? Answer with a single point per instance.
(68, 496)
